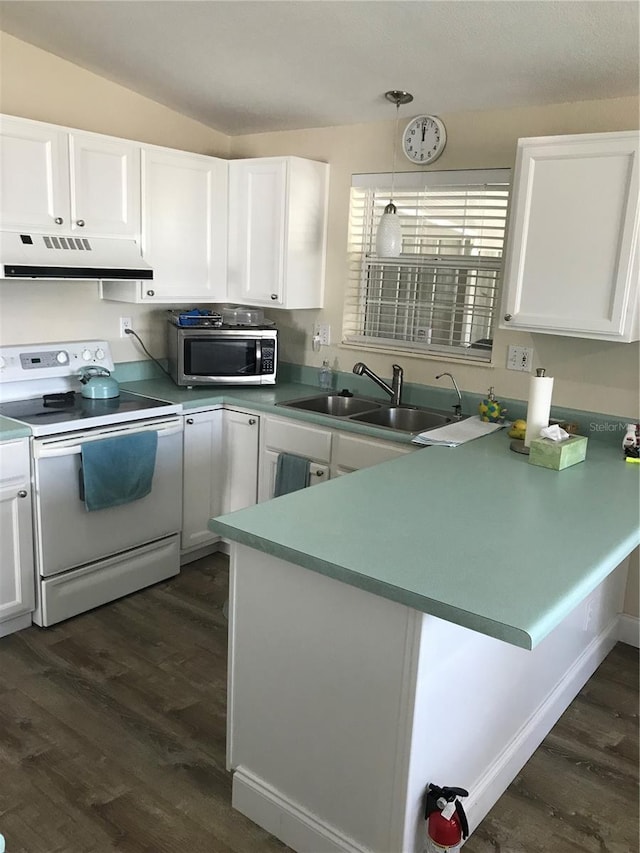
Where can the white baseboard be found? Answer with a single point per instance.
(513, 758)
(15, 624)
(629, 630)
(291, 823)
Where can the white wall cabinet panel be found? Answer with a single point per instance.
(105, 186)
(184, 230)
(203, 475)
(277, 231)
(17, 582)
(34, 189)
(58, 182)
(240, 450)
(572, 263)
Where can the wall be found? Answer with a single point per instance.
(38, 85)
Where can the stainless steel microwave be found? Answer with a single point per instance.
(232, 355)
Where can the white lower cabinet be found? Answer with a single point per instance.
(240, 441)
(220, 470)
(17, 581)
(203, 475)
(280, 435)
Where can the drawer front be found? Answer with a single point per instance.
(355, 453)
(287, 436)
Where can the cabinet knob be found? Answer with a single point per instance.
(189, 420)
(58, 220)
(319, 473)
(252, 421)
(151, 293)
(508, 317)
(80, 223)
(274, 295)
(22, 493)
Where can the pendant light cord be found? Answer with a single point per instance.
(395, 142)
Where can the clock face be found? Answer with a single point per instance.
(424, 139)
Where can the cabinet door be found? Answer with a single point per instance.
(203, 477)
(351, 453)
(184, 225)
(572, 254)
(34, 176)
(267, 478)
(17, 581)
(257, 191)
(105, 186)
(240, 443)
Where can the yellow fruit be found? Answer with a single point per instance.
(519, 425)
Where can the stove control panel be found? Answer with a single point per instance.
(43, 361)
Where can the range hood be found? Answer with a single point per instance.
(53, 256)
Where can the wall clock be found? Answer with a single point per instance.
(424, 139)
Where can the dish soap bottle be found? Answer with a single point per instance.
(490, 409)
(325, 376)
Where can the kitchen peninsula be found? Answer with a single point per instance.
(427, 619)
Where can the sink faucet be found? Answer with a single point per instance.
(458, 407)
(394, 390)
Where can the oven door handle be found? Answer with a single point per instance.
(43, 451)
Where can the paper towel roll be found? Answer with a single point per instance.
(539, 407)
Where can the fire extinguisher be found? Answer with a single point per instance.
(447, 824)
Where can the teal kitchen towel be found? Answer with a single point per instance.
(116, 471)
(292, 473)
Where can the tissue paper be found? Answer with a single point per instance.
(554, 432)
(539, 408)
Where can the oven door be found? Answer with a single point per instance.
(67, 535)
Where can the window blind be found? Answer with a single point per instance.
(441, 294)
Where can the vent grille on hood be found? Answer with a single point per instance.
(56, 256)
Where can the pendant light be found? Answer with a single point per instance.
(389, 233)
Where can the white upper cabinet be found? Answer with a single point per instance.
(58, 181)
(277, 231)
(184, 229)
(34, 175)
(105, 186)
(572, 263)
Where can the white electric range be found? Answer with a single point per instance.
(85, 558)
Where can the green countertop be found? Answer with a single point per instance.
(10, 429)
(474, 534)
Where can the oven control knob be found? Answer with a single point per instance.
(86, 354)
(62, 357)
(99, 354)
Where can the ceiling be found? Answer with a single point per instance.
(248, 66)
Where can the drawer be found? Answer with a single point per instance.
(302, 440)
(355, 453)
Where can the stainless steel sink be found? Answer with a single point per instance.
(336, 405)
(404, 419)
(409, 419)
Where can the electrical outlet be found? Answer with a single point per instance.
(520, 358)
(323, 331)
(125, 323)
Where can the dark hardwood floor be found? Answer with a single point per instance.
(112, 737)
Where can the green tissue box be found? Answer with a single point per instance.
(558, 454)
